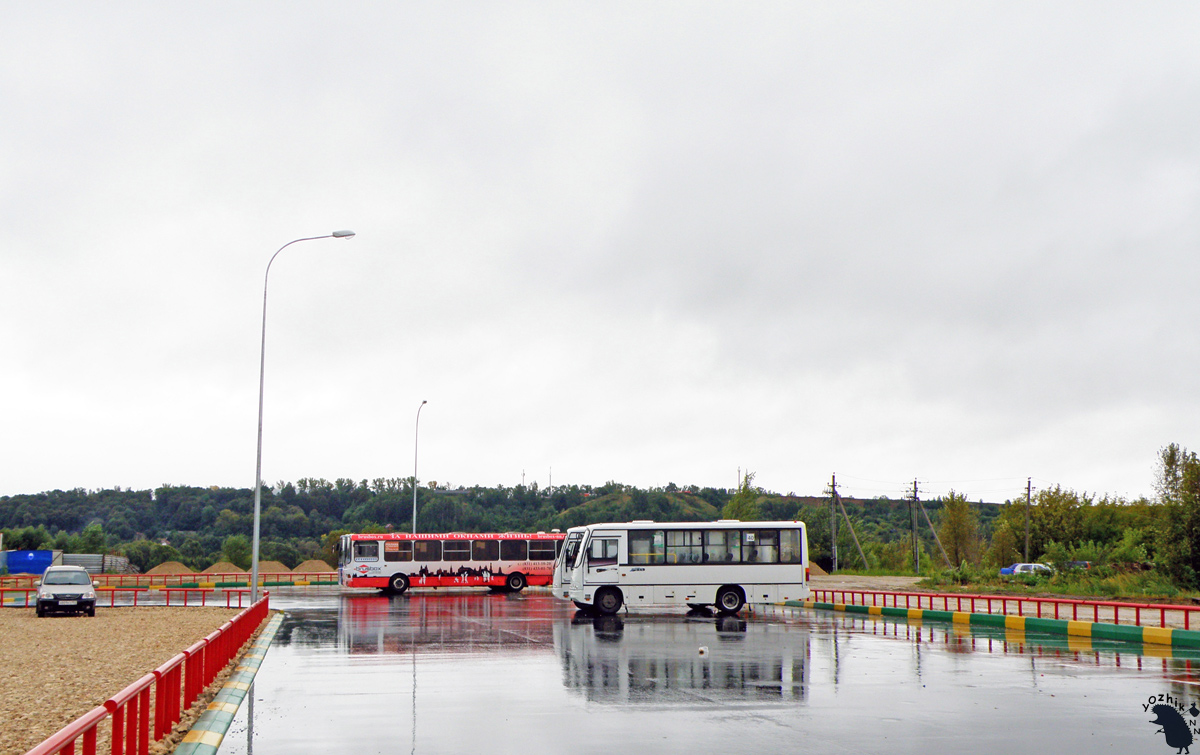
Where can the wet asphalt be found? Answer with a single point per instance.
(439, 672)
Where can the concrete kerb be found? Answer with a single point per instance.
(206, 734)
(1122, 632)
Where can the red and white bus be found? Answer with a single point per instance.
(395, 561)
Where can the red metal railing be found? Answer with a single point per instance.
(130, 711)
(25, 590)
(1113, 610)
(168, 685)
(112, 594)
(64, 741)
(202, 591)
(177, 580)
(189, 673)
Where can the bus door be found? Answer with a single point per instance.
(565, 565)
(602, 558)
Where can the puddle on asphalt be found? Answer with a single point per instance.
(456, 672)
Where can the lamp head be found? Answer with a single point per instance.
(342, 234)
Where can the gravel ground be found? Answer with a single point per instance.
(53, 670)
(855, 582)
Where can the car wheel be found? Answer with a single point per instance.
(91, 611)
(41, 612)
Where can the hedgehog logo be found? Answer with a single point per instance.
(1174, 728)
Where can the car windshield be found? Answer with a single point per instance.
(67, 578)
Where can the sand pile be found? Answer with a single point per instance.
(170, 567)
(224, 567)
(314, 565)
(272, 567)
(816, 571)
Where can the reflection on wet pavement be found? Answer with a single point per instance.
(474, 672)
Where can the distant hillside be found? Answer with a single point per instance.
(624, 506)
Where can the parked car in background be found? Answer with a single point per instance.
(66, 589)
(1078, 565)
(1009, 571)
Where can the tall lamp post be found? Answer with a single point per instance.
(416, 435)
(262, 368)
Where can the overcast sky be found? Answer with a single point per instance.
(649, 243)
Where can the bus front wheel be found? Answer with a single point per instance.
(516, 582)
(730, 600)
(608, 601)
(398, 583)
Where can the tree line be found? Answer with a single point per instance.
(199, 526)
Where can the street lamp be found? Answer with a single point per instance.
(262, 367)
(416, 435)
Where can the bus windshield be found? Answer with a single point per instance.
(571, 551)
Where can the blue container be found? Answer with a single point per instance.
(29, 562)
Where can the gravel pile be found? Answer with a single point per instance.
(58, 668)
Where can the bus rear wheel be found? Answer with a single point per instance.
(608, 601)
(516, 582)
(730, 600)
(398, 584)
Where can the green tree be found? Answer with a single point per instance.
(92, 540)
(959, 531)
(145, 554)
(1006, 544)
(236, 550)
(744, 504)
(1178, 488)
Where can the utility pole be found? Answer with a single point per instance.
(833, 520)
(1028, 500)
(916, 543)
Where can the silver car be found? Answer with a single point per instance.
(66, 589)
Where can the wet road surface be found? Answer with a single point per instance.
(478, 673)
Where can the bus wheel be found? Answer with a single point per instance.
(608, 601)
(398, 584)
(730, 600)
(515, 582)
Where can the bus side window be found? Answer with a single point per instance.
(602, 552)
(456, 550)
(789, 547)
(541, 550)
(722, 546)
(485, 550)
(514, 550)
(684, 546)
(366, 551)
(646, 547)
(397, 550)
(427, 550)
(762, 546)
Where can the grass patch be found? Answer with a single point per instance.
(1099, 582)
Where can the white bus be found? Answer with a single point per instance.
(725, 564)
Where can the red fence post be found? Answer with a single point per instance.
(144, 721)
(194, 677)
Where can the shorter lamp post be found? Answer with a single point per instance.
(416, 436)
